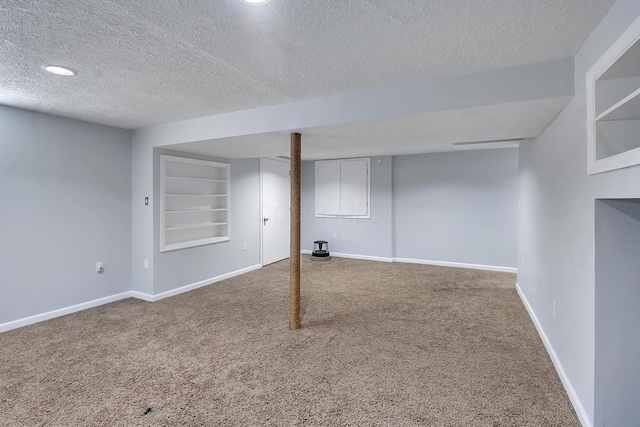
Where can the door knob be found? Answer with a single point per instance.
(264, 221)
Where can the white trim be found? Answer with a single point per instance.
(187, 288)
(458, 265)
(365, 257)
(277, 159)
(14, 324)
(353, 256)
(422, 261)
(625, 159)
(573, 396)
(261, 212)
(142, 296)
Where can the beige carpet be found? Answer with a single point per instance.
(381, 345)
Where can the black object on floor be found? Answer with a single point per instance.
(320, 251)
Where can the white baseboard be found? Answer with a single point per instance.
(458, 265)
(142, 296)
(14, 324)
(422, 261)
(575, 400)
(353, 256)
(187, 288)
(365, 257)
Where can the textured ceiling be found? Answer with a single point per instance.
(141, 62)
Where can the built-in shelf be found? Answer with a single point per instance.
(613, 105)
(626, 109)
(194, 202)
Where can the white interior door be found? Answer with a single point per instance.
(275, 210)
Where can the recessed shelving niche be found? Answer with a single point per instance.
(194, 202)
(613, 105)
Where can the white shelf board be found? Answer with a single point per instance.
(626, 109)
(196, 210)
(192, 243)
(196, 195)
(622, 160)
(200, 225)
(184, 178)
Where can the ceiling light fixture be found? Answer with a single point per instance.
(60, 71)
(256, 1)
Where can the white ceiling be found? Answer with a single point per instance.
(142, 62)
(421, 133)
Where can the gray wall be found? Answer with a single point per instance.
(556, 225)
(457, 207)
(617, 373)
(65, 187)
(184, 267)
(366, 237)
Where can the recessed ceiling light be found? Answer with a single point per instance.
(256, 1)
(61, 71)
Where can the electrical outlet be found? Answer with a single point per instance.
(555, 311)
(244, 246)
(99, 267)
(335, 235)
(146, 264)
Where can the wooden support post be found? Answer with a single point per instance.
(294, 256)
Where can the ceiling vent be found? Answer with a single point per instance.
(485, 145)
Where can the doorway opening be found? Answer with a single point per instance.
(617, 297)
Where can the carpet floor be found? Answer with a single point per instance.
(381, 344)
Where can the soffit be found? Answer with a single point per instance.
(413, 134)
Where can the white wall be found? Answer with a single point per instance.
(459, 207)
(371, 237)
(175, 269)
(556, 225)
(65, 187)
